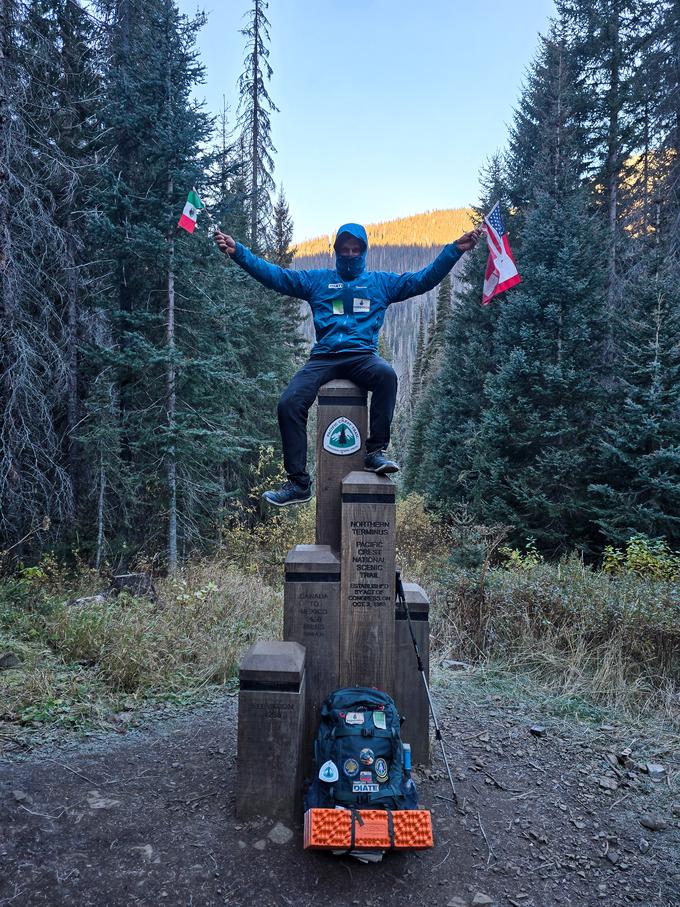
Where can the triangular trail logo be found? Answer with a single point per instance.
(342, 437)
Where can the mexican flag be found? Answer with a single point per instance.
(188, 219)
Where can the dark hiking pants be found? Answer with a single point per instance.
(367, 370)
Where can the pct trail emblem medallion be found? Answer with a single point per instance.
(342, 437)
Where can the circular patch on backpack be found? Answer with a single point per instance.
(350, 767)
(381, 770)
(367, 756)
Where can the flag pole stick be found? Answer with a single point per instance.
(205, 208)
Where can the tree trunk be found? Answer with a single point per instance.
(255, 138)
(171, 409)
(5, 123)
(100, 511)
(8, 454)
(72, 398)
(613, 153)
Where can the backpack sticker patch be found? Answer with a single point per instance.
(381, 772)
(354, 718)
(329, 772)
(371, 768)
(360, 787)
(350, 767)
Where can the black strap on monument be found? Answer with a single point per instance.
(401, 600)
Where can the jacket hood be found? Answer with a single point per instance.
(349, 267)
(355, 230)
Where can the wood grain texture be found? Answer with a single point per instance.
(368, 581)
(409, 690)
(270, 729)
(337, 398)
(311, 616)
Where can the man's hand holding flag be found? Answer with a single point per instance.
(501, 271)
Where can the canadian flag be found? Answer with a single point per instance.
(501, 271)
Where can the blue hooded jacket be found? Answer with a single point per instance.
(348, 310)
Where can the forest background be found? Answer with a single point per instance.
(138, 377)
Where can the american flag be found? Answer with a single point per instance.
(501, 271)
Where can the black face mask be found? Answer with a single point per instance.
(349, 267)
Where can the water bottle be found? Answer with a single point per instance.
(408, 784)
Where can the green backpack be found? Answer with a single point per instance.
(359, 755)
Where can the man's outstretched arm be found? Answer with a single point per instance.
(284, 281)
(413, 283)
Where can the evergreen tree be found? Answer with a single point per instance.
(35, 268)
(68, 81)
(180, 354)
(255, 109)
(455, 399)
(109, 489)
(282, 253)
(639, 489)
(418, 362)
(532, 458)
(282, 233)
(425, 372)
(605, 37)
(661, 64)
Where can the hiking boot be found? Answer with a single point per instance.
(288, 493)
(378, 463)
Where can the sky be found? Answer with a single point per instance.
(386, 107)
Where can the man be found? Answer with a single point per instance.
(348, 307)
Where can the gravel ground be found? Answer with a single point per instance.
(145, 815)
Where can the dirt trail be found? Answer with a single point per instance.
(147, 818)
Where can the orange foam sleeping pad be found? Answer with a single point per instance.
(331, 829)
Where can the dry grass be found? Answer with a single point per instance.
(588, 639)
(81, 664)
(206, 617)
(611, 642)
(592, 639)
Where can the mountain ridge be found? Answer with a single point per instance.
(427, 228)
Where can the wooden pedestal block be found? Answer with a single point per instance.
(368, 582)
(409, 690)
(271, 706)
(311, 616)
(336, 399)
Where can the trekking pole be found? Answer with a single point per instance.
(401, 598)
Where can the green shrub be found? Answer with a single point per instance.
(569, 605)
(256, 536)
(644, 557)
(423, 541)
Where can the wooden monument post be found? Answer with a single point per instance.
(409, 690)
(368, 582)
(340, 625)
(271, 708)
(340, 448)
(311, 616)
